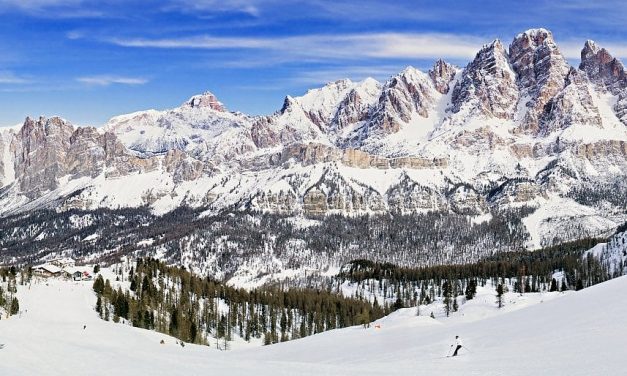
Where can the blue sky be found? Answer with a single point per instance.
(90, 60)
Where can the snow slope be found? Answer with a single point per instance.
(580, 333)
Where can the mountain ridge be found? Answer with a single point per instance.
(519, 118)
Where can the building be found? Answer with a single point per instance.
(64, 263)
(47, 270)
(80, 274)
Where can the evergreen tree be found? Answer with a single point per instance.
(471, 289)
(553, 287)
(499, 295)
(579, 285)
(15, 306)
(446, 293)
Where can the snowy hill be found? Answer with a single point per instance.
(577, 333)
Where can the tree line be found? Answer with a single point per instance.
(8, 288)
(522, 271)
(174, 301)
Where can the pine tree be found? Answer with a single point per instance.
(471, 289)
(579, 285)
(553, 287)
(15, 306)
(267, 339)
(447, 292)
(499, 295)
(99, 305)
(99, 285)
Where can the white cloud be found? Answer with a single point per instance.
(250, 7)
(10, 78)
(54, 9)
(106, 80)
(318, 46)
(38, 4)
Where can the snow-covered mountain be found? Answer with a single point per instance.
(518, 126)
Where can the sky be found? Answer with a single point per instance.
(88, 60)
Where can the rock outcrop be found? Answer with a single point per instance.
(442, 74)
(205, 100)
(541, 72)
(487, 86)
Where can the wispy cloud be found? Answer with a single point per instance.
(249, 7)
(55, 9)
(11, 78)
(106, 80)
(38, 4)
(320, 46)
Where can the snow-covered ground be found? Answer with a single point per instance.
(579, 333)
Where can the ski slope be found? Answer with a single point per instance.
(578, 333)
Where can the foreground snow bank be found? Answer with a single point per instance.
(579, 334)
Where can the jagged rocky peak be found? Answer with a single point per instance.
(604, 70)
(410, 91)
(541, 71)
(442, 73)
(573, 105)
(409, 94)
(288, 104)
(46, 127)
(488, 84)
(320, 104)
(357, 103)
(205, 100)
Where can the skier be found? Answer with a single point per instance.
(458, 342)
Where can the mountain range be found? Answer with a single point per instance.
(517, 127)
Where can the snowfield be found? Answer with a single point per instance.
(576, 333)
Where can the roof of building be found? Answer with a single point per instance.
(49, 268)
(64, 260)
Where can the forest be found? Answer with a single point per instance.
(522, 271)
(218, 245)
(171, 300)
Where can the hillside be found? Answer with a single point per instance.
(576, 333)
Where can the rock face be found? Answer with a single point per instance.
(607, 73)
(442, 74)
(573, 105)
(541, 72)
(47, 150)
(405, 96)
(205, 100)
(516, 127)
(357, 104)
(487, 85)
(41, 154)
(602, 68)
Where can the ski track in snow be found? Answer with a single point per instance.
(579, 333)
